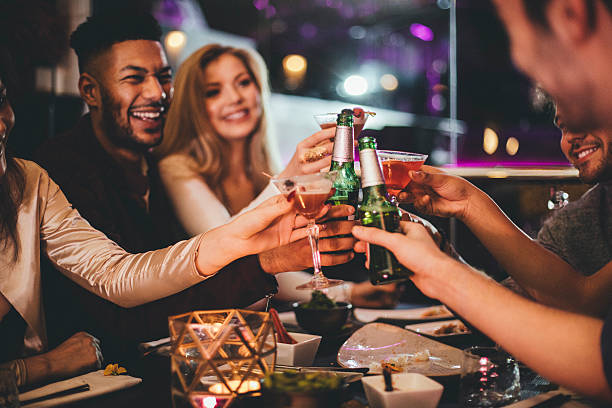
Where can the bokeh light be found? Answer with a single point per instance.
(355, 85)
(389, 82)
(512, 146)
(176, 39)
(490, 141)
(295, 63)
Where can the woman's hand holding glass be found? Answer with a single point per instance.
(299, 165)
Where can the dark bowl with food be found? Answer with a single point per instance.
(322, 321)
(303, 390)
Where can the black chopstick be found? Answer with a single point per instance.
(555, 401)
(68, 391)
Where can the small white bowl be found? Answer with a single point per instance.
(300, 354)
(409, 390)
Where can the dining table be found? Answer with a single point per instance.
(154, 370)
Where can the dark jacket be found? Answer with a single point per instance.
(98, 188)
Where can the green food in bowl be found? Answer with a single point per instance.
(301, 382)
(319, 301)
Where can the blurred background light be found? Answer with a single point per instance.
(444, 4)
(355, 85)
(512, 146)
(422, 32)
(176, 39)
(438, 102)
(389, 82)
(358, 32)
(294, 63)
(490, 141)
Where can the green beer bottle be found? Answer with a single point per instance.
(347, 182)
(377, 211)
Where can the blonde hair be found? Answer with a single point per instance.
(188, 129)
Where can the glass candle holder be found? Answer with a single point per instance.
(218, 356)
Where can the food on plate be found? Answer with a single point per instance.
(435, 311)
(398, 363)
(451, 328)
(302, 381)
(319, 301)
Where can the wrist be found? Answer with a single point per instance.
(213, 242)
(267, 262)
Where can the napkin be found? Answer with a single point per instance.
(423, 313)
(98, 384)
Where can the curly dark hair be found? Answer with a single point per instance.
(12, 184)
(99, 32)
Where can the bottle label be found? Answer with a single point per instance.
(343, 145)
(371, 172)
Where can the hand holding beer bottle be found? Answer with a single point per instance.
(377, 211)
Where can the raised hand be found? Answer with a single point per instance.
(311, 154)
(335, 244)
(413, 247)
(436, 193)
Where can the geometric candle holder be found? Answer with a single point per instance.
(219, 355)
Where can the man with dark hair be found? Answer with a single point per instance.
(105, 171)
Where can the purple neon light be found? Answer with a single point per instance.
(422, 32)
(511, 164)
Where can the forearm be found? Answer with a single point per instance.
(562, 346)
(543, 274)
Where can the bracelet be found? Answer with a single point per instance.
(21, 372)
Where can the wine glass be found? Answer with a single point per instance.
(396, 167)
(310, 193)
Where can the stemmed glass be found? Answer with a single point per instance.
(310, 193)
(396, 167)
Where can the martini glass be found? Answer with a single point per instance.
(396, 167)
(310, 193)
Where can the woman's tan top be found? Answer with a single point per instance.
(47, 223)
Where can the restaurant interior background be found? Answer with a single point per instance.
(438, 75)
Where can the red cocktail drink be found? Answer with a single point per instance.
(397, 175)
(396, 167)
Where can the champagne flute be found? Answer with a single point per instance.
(396, 167)
(310, 193)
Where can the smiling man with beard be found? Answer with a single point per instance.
(581, 232)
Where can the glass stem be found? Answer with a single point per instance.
(313, 238)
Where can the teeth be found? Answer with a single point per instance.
(146, 115)
(236, 115)
(586, 152)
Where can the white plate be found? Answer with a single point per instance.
(429, 328)
(378, 342)
(421, 313)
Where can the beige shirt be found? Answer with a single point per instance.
(197, 207)
(48, 223)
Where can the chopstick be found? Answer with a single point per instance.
(555, 401)
(68, 391)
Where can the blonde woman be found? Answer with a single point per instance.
(217, 149)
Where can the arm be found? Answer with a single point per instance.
(94, 262)
(542, 273)
(562, 346)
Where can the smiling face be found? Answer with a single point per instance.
(590, 153)
(135, 91)
(232, 99)
(556, 64)
(7, 120)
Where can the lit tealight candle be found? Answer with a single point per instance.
(246, 386)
